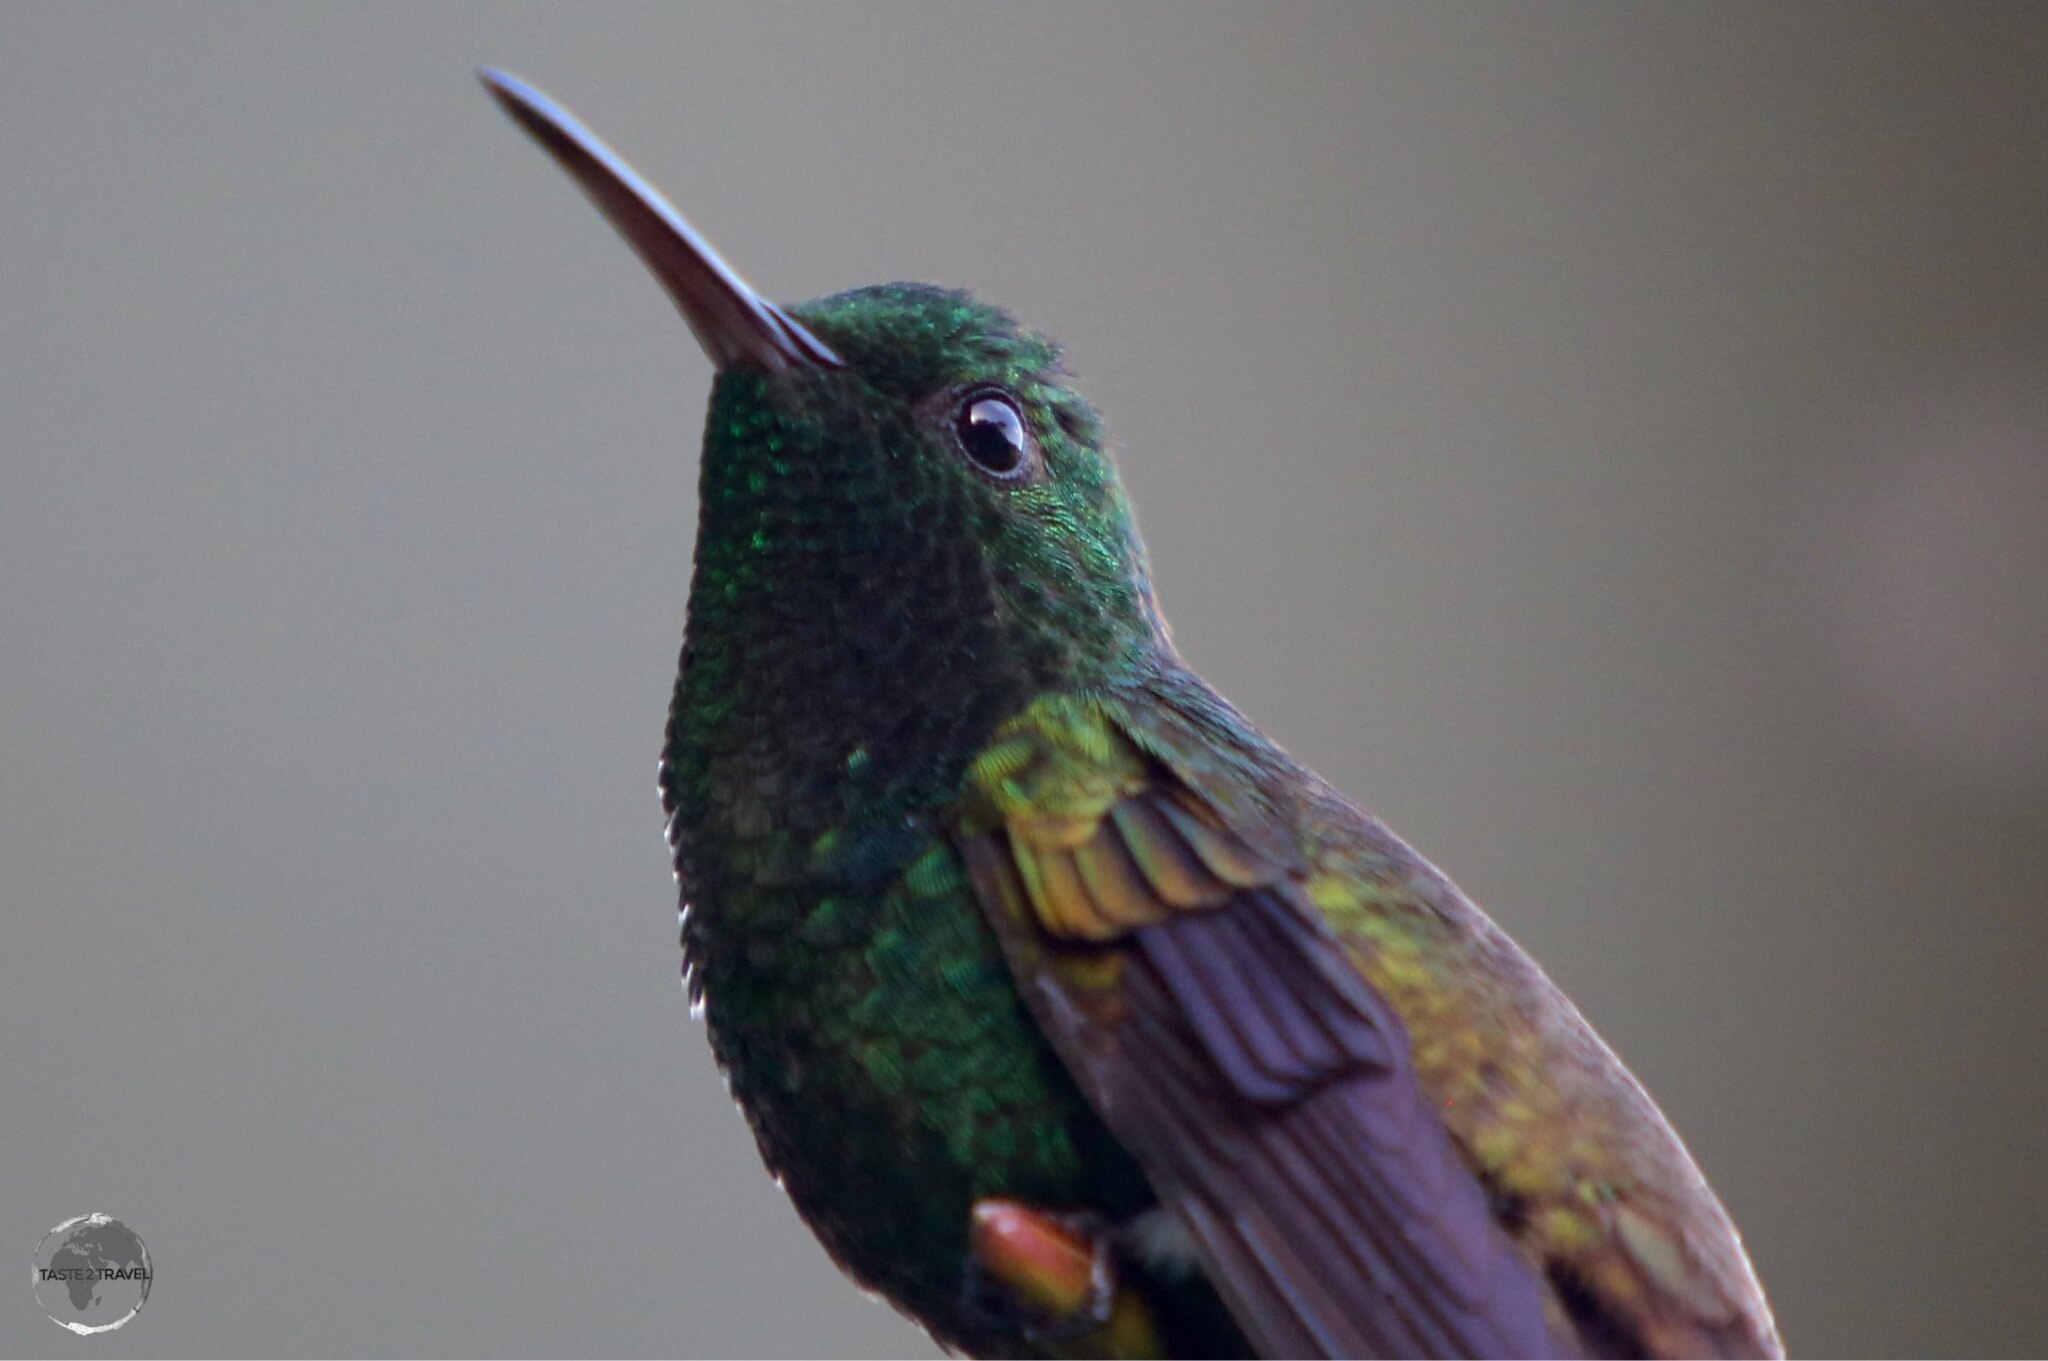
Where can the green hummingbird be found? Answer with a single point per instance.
(1075, 1016)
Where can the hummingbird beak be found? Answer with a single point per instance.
(734, 324)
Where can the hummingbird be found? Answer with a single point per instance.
(1074, 1015)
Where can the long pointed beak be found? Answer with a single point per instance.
(733, 323)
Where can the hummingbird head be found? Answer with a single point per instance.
(899, 484)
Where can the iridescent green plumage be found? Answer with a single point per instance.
(841, 667)
(989, 898)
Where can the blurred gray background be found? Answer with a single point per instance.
(1610, 442)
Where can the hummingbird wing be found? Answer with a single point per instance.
(1217, 1024)
(1188, 914)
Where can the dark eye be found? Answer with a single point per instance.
(991, 434)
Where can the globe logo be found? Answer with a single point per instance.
(92, 1274)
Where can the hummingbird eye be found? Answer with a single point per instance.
(991, 433)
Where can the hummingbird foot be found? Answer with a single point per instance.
(1054, 1276)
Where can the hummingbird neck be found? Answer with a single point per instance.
(853, 622)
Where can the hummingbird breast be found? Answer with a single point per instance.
(857, 1001)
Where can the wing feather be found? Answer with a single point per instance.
(1268, 1090)
(1149, 864)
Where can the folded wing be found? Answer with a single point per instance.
(1226, 1038)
